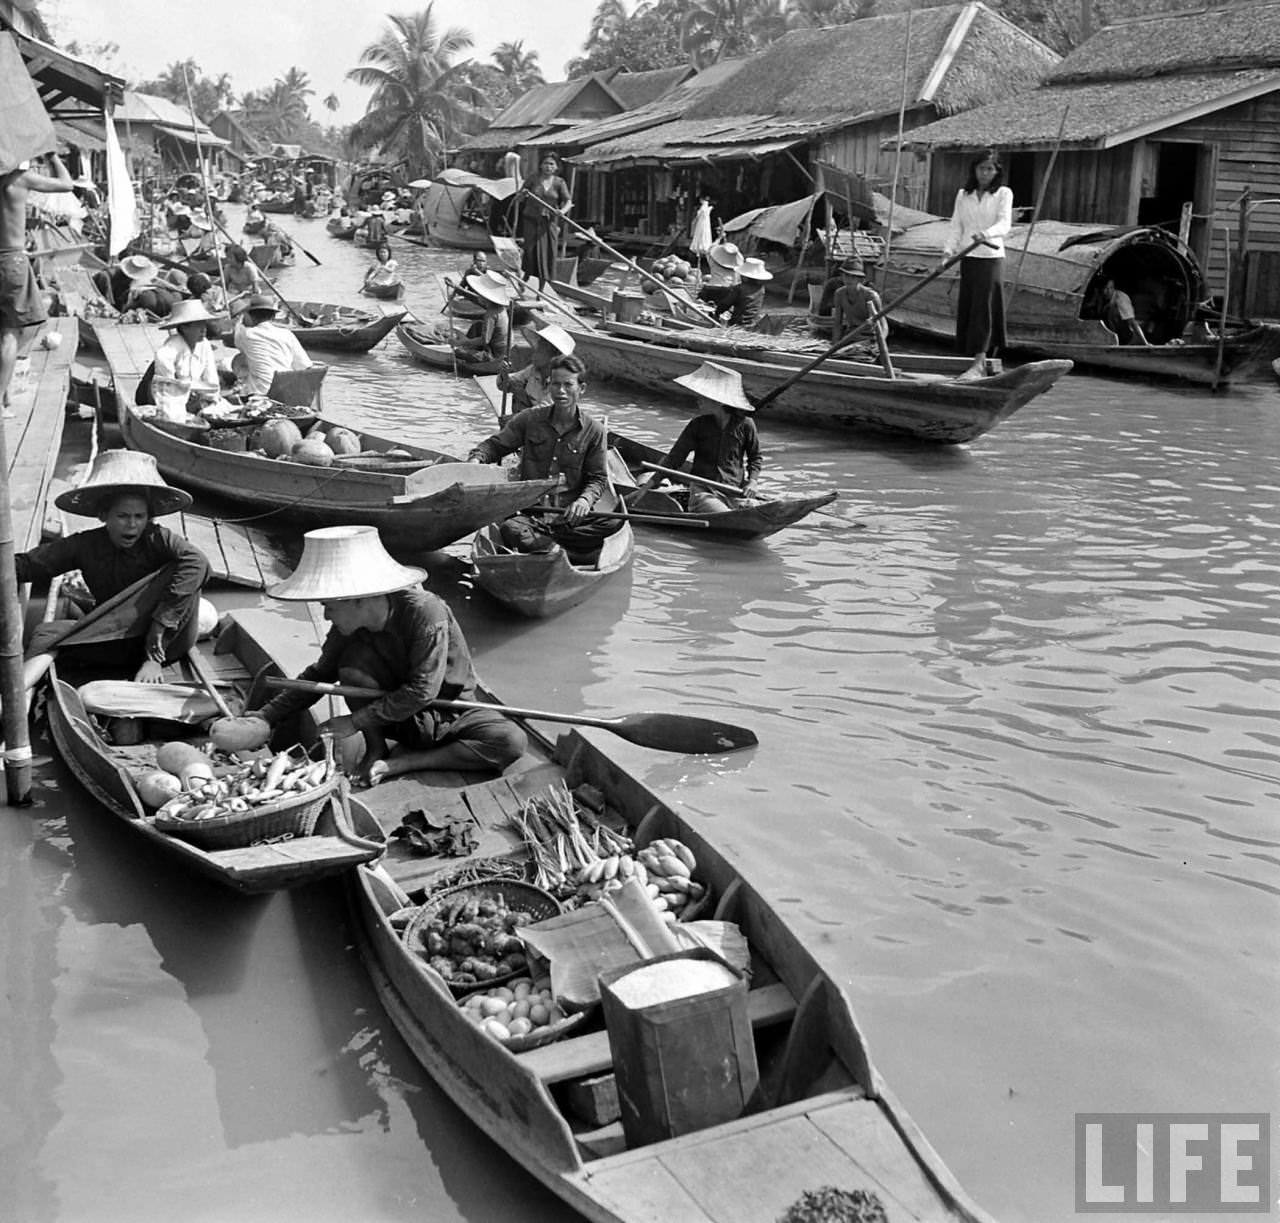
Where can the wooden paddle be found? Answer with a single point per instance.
(200, 665)
(665, 519)
(664, 732)
(845, 340)
(686, 477)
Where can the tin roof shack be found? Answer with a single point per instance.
(160, 137)
(1163, 121)
(819, 95)
(242, 145)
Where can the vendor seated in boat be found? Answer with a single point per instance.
(385, 270)
(148, 290)
(1116, 309)
(267, 347)
(276, 236)
(389, 634)
(724, 259)
(557, 440)
(127, 493)
(488, 337)
(529, 387)
(744, 303)
(722, 439)
(855, 301)
(240, 274)
(184, 374)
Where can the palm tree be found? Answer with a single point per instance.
(277, 112)
(610, 19)
(807, 14)
(519, 66)
(711, 29)
(421, 98)
(331, 102)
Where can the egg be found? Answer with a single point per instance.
(538, 1015)
(520, 1027)
(522, 991)
(520, 1009)
(499, 1031)
(502, 992)
(493, 1006)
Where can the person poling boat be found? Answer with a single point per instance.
(722, 440)
(267, 347)
(387, 633)
(489, 336)
(559, 440)
(127, 492)
(529, 386)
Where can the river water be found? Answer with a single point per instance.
(1017, 783)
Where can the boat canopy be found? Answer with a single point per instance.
(462, 181)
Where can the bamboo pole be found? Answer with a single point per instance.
(204, 185)
(897, 161)
(1035, 215)
(13, 714)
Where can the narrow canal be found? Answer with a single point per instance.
(1017, 783)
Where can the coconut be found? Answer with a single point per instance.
(312, 451)
(343, 441)
(279, 437)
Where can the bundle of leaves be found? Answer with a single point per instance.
(831, 1205)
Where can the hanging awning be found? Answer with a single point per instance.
(780, 223)
(68, 87)
(81, 135)
(207, 139)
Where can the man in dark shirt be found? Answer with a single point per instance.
(744, 303)
(390, 634)
(722, 438)
(125, 490)
(559, 440)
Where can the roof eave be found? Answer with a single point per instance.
(1266, 85)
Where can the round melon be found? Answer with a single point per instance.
(279, 437)
(312, 452)
(174, 757)
(157, 788)
(343, 441)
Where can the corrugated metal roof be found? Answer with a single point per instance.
(493, 138)
(1098, 114)
(148, 108)
(720, 139)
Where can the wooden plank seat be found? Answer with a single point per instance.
(590, 1054)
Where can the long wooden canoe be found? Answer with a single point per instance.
(322, 325)
(387, 291)
(430, 348)
(343, 837)
(418, 499)
(931, 408)
(745, 520)
(1051, 297)
(343, 228)
(542, 584)
(823, 1116)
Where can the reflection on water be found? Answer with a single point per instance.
(1015, 784)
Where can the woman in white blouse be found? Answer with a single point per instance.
(185, 362)
(983, 213)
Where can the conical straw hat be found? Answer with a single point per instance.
(185, 312)
(496, 294)
(712, 381)
(120, 472)
(726, 254)
(345, 563)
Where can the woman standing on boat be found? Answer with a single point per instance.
(538, 221)
(983, 213)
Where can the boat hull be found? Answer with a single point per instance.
(542, 584)
(336, 496)
(393, 291)
(921, 408)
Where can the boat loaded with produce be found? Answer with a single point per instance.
(599, 989)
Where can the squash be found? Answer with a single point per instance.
(313, 452)
(196, 773)
(174, 757)
(157, 788)
(343, 441)
(279, 437)
(239, 734)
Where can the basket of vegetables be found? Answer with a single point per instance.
(250, 802)
(468, 934)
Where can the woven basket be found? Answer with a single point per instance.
(295, 815)
(523, 897)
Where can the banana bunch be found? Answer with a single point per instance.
(663, 868)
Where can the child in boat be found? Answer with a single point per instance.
(722, 439)
(389, 634)
(127, 493)
(385, 271)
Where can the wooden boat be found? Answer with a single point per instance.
(332, 328)
(822, 1116)
(109, 772)
(754, 520)
(282, 202)
(542, 584)
(268, 255)
(341, 227)
(430, 348)
(418, 499)
(388, 291)
(1053, 292)
(923, 407)
(443, 209)
(255, 226)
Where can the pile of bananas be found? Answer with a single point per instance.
(664, 868)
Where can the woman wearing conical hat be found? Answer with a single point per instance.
(722, 439)
(127, 493)
(184, 363)
(390, 634)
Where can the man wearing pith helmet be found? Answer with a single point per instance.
(390, 634)
(127, 493)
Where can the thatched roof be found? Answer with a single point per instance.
(1216, 39)
(544, 104)
(955, 56)
(1098, 114)
(639, 88)
(493, 139)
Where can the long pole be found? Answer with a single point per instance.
(204, 182)
(1035, 215)
(1226, 297)
(897, 159)
(635, 267)
(17, 735)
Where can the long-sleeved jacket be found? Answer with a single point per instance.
(577, 453)
(107, 570)
(730, 455)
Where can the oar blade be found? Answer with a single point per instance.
(674, 732)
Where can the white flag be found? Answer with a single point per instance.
(121, 204)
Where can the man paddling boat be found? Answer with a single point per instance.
(722, 439)
(389, 634)
(127, 492)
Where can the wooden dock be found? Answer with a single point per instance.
(34, 433)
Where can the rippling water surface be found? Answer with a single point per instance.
(1017, 782)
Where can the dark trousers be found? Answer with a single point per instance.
(980, 308)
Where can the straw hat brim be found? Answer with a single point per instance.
(749, 271)
(556, 337)
(91, 501)
(345, 563)
(714, 382)
(200, 316)
(725, 257)
(482, 287)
